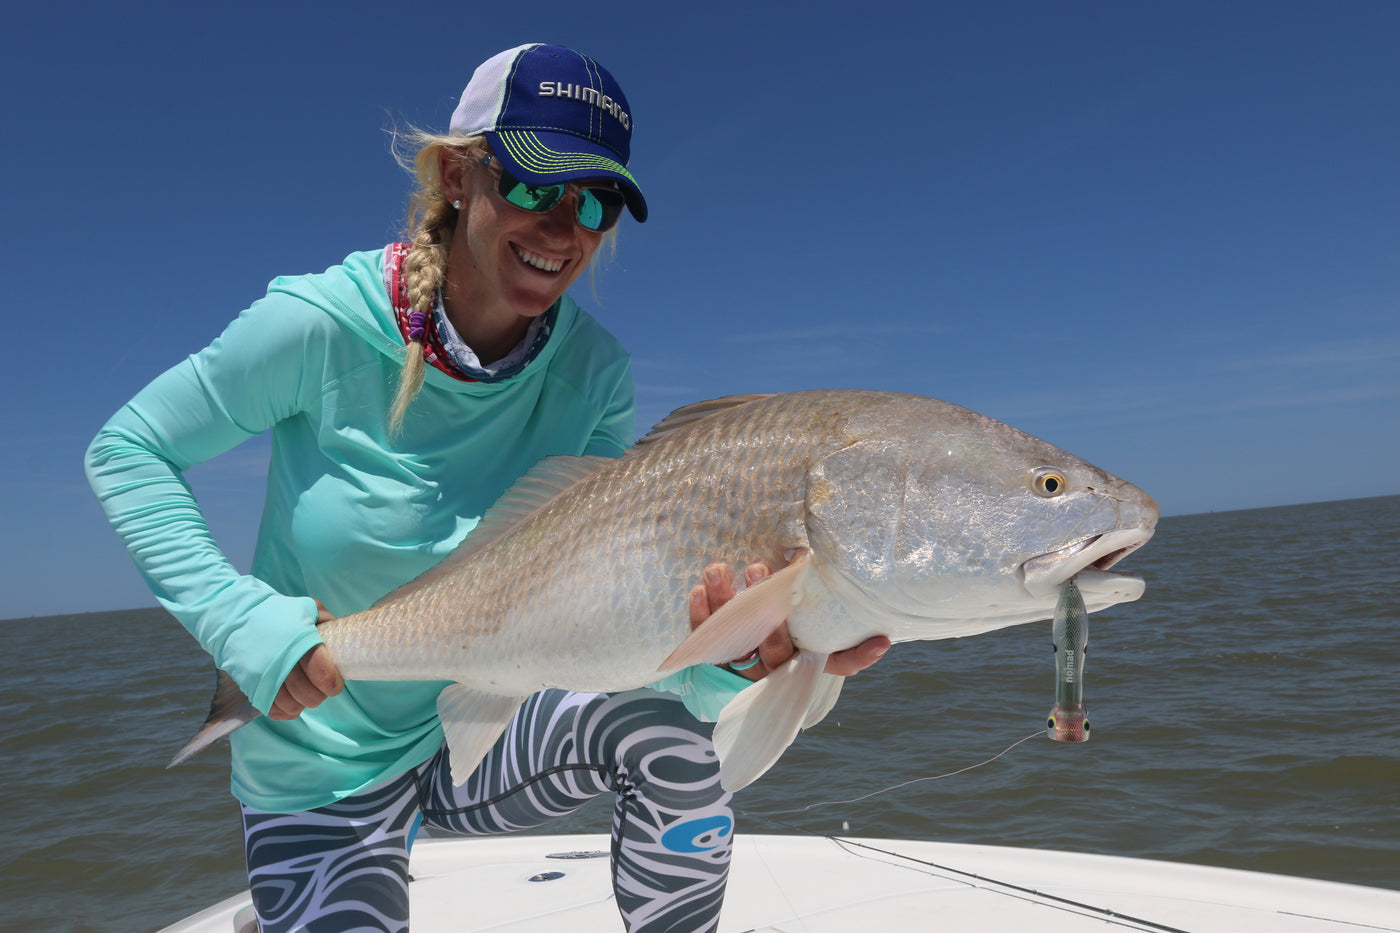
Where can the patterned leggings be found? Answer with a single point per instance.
(344, 867)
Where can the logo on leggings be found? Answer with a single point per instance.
(697, 835)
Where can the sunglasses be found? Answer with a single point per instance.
(595, 209)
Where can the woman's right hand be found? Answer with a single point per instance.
(314, 678)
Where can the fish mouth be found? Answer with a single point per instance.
(1088, 561)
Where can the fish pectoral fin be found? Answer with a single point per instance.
(472, 721)
(760, 723)
(741, 624)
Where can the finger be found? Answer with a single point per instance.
(777, 647)
(314, 678)
(854, 660)
(321, 672)
(718, 587)
(300, 692)
(775, 651)
(322, 613)
(753, 573)
(284, 707)
(699, 605)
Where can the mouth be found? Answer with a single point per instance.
(536, 261)
(1089, 560)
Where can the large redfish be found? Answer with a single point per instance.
(887, 514)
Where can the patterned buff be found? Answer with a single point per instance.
(442, 347)
(415, 325)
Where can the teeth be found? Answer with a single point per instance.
(539, 262)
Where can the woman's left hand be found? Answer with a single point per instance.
(777, 649)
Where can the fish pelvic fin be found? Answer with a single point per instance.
(472, 721)
(741, 624)
(760, 723)
(228, 711)
(828, 691)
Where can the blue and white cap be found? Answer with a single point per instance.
(552, 115)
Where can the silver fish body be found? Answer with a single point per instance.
(887, 514)
(1069, 720)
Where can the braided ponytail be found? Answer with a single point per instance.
(431, 221)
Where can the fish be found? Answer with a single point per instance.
(1069, 633)
(882, 513)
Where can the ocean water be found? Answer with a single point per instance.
(1246, 714)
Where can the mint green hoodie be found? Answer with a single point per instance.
(350, 513)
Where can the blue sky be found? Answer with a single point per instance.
(1164, 236)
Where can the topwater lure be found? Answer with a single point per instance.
(1069, 722)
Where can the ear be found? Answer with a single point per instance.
(452, 167)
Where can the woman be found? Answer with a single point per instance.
(406, 389)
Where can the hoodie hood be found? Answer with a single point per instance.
(355, 295)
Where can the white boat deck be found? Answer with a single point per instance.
(792, 884)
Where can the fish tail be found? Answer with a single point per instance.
(228, 711)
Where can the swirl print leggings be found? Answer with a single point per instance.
(344, 867)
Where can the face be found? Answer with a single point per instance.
(509, 265)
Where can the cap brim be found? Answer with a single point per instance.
(541, 158)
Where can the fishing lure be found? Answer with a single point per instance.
(1069, 722)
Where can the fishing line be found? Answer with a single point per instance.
(1030, 895)
(1109, 915)
(876, 793)
(1041, 898)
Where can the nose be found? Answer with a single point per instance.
(558, 221)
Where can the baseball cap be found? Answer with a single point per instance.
(552, 115)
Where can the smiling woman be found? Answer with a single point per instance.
(494, 180)
(406, 389)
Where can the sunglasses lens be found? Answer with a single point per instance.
(537, 198)
(599, 208)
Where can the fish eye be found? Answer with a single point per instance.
(1049, 483)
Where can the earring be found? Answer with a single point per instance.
(457, 205)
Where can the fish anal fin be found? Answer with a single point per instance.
(741, 624)
(228, 710)
(760, 723)
(472, 721)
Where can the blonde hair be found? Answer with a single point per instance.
(429, 225)
(431, 220)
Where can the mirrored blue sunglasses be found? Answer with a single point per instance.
(595, 209)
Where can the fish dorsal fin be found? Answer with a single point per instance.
(531, 492)
(685, 417)
(539, 486)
